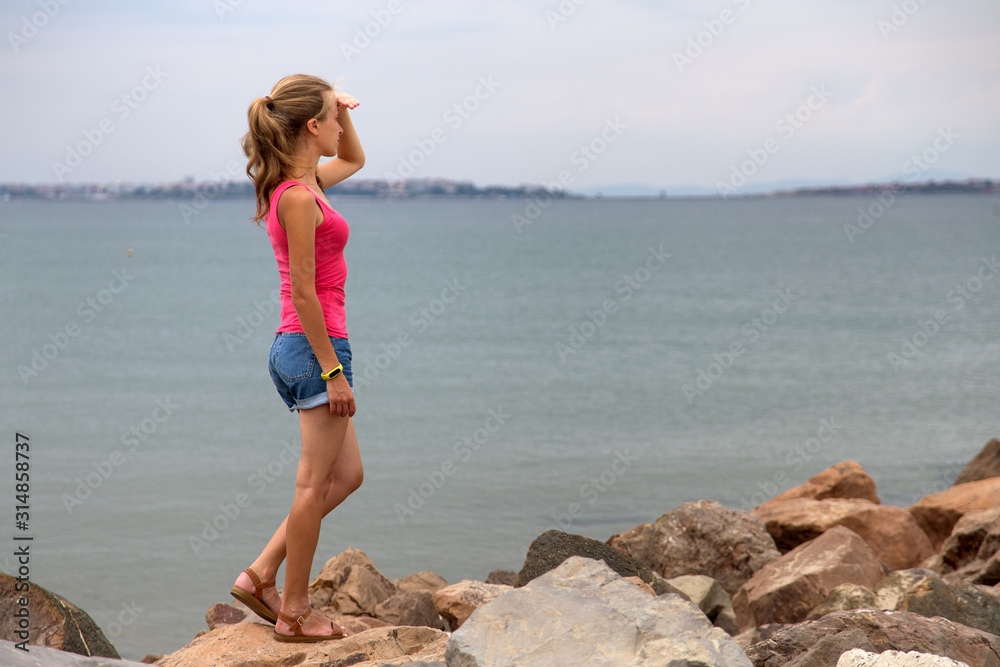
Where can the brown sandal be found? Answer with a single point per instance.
(256, 600)
(296, 625)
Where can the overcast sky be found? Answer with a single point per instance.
(666, 94)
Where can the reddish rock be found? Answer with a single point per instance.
(938, 513)
(254, 644)
(421, 581)
(787, 589)
(504, 577)
(986, 464)
(891, 531)
(702, 537)
(416, 608)
(349, 583)
(457, 602)
(966, 539)
(220, 614)
(846, 479)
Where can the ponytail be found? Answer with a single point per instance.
(275, 125)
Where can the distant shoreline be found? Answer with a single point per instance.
(444, 189)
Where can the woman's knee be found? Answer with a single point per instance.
(351, 478)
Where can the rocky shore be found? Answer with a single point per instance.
(822, 575)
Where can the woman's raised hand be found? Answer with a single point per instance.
(345, 100)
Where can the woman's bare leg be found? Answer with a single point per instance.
(343, 479)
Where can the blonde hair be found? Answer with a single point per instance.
(276, 123)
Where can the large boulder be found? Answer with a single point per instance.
(859, 658)
(820, 643)
(964, 603)
(43, 656)
(584, 613)
(254, 644)
(846, 479)
(552, 547)
(421, 581)
(966, 539)
(416, 608)
(986, 464)
(456, 603)
(787, 589)
(938, 513)
(702, 537)
(51, 620)
(891, 531)
(350, 584)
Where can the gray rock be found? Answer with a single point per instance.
(552, 547)
(711, 598)
(858, 658)
(963, 604)
(584, 613)
(703, 537)
(43, 656)
(820, 643)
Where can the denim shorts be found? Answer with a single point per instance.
(296, 372)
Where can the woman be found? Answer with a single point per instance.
(302, 120)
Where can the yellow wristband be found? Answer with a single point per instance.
(333, 372)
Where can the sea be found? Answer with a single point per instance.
(581, 364)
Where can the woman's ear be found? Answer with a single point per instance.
(313, 126)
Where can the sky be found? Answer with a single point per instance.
(610, 95)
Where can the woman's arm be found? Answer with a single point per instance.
(298, 209)
(350, 156)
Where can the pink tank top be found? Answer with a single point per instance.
(331, 269)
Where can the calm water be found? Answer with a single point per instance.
(546, 388)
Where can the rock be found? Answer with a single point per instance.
(986, 464)
(457, 602)
(584, 613)
(842, 598)
(355, 624)
(756, 635)
(253, 644)
(702, 537)
(419, 663)
(552, 547)
(964, 603)
(938, 513)
(220, 614)
(846, 479)
(891, 590)
(967, 536)
(151, 658)
(858, 658)
(891, 531)
(709, 596)
(349, 583)
(641, 584)
(787, 589)
(421, 581)
(820, 643)
(43, 656)
(54, 621)
(404, 608)
(505, 577)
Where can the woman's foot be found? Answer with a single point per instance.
(261, 597)
(305, 626)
